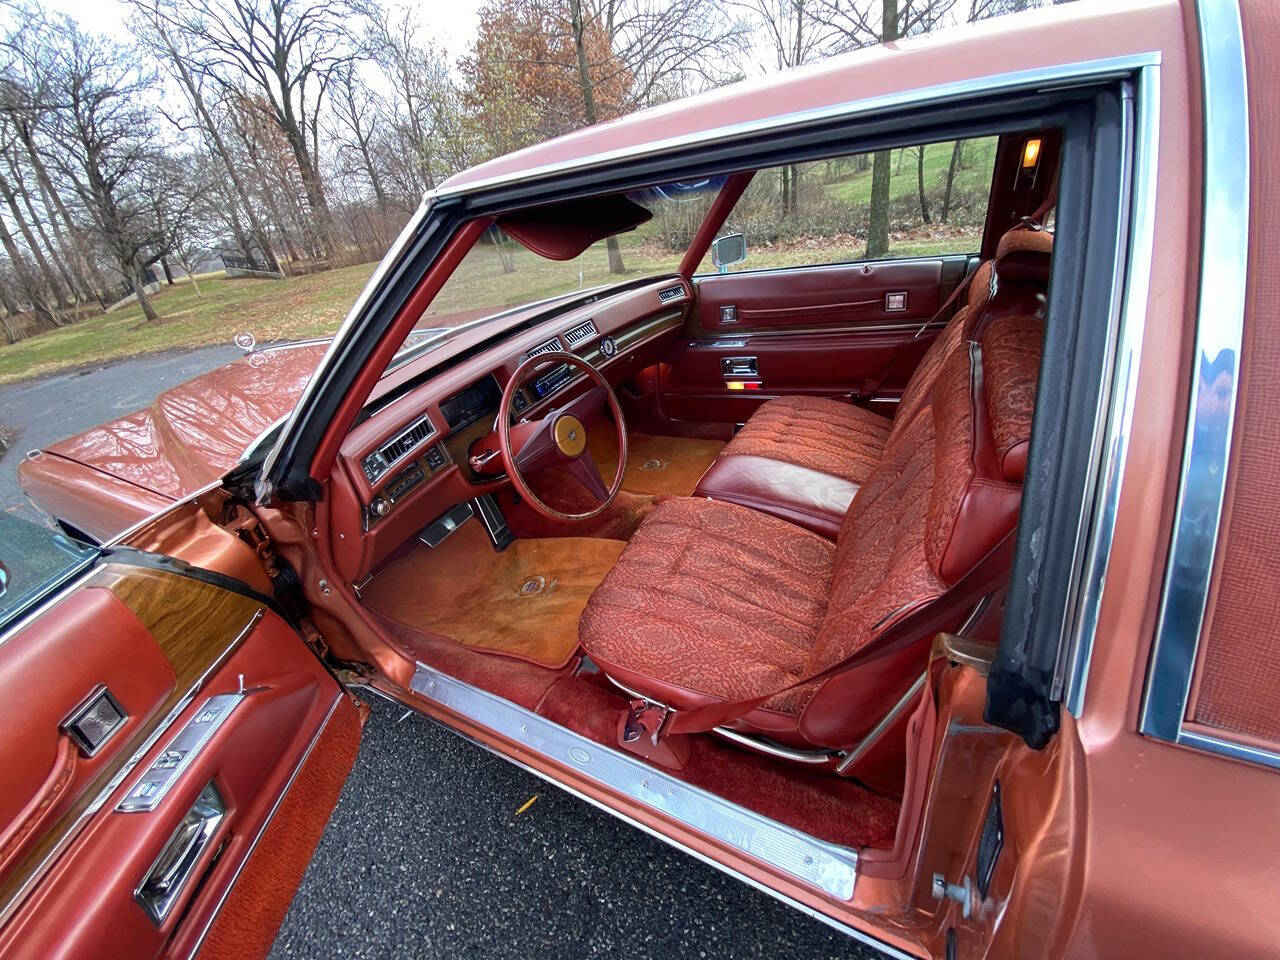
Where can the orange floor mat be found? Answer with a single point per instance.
(523, 602)
(655, 465)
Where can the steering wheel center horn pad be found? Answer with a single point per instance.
(560, 437)
(570, 434)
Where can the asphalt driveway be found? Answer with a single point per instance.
(427, 856)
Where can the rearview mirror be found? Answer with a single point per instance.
(728, 250)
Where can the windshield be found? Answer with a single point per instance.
(499, 274)
(32, 560)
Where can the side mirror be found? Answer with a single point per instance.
(728, 250)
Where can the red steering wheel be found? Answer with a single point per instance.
(560, 437)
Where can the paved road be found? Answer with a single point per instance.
(426, 857)
(51, 408)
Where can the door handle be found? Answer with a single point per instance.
(733, 368)
(175, 866)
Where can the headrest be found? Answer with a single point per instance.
(1011, 351)
(972, 506)
(1023, 238)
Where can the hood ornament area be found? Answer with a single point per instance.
(245, 340)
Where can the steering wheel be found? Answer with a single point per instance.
(560, 437)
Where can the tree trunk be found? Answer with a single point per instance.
(92, 277)
(220, 147)
(192, 277)
(27, 283)
(878, 215)
(589, 110)
(956, 150)
(139, 283)
(55, 255)
(168, 274)
(51, 281)
(924, 203)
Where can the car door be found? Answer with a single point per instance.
(172, 751)
(806, 311)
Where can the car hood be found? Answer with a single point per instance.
(192, 434)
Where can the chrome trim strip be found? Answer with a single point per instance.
(1224, 255)
(1130, 293)
(807, 910)
(1037, 78)
(883, 724)
(827, 867)
(253, 844)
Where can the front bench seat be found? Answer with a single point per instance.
(713, 601)
(841, 440)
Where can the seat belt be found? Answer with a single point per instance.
(869, 387)
(982, 579)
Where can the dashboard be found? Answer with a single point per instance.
(406, 465)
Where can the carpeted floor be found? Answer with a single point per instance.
(523, 602)
(670, 466)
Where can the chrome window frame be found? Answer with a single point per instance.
(1220, 317)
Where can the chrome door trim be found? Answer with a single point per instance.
(1130, 293)
(1039, 78)
(1202, 488)
(253, 844)
(826, 867)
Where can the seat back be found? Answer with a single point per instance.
(945, 493)
(1014, 282)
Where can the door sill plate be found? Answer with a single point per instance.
(831, 868)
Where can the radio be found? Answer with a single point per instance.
(551, 381)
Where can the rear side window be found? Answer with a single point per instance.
(828, 211)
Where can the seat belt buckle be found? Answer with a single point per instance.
(644, 719)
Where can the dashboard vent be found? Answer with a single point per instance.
(583, 331)
(409, 438)
(550, 345)
(671, 294)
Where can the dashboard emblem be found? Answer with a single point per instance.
(608, 347)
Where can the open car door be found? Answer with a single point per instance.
(171, 750)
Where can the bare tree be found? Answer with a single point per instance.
(110, 153)
(287, 52)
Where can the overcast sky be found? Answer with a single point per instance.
(451, 23)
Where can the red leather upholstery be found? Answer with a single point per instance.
(808, 498)
(712, 600)
(816, 433)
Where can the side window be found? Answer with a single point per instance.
(827, 211)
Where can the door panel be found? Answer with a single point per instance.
(131, 852)
(836, 295)
(821, 330)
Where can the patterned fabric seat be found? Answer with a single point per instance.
(845, 441)
(713, 601)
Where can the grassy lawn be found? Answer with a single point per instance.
(284, 309)
(293, 308)
(974, 175)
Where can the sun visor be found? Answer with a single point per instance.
(561, 231)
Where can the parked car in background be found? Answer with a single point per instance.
(931, 592)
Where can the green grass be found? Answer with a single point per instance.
(855, 188)
(297, 307)
(284, 309)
